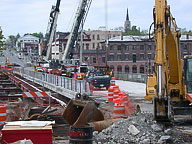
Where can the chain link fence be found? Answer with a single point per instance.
(131, 77)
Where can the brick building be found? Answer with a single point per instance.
(93, 52)
(136, 54)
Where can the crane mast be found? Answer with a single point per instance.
(52, 28)
(77, 26)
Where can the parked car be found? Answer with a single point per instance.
(98, 79)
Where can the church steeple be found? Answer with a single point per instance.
(127, 16)
(127, 24)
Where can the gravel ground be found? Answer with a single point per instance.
(140, 129)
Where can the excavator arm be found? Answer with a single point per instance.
(167, 80)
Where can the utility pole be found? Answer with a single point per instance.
(106, 33)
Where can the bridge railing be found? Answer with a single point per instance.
(79, 86)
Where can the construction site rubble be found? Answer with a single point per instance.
(141, 129)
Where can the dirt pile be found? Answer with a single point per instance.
(140, 129)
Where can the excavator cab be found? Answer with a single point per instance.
(188, 73)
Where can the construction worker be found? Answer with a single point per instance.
(112, 73)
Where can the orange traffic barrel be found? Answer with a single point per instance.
(126, 100)
(110, 94)
(113, 81)
(115, 87)
(118, 109)
(121, 94)
(3, 114)
(115, 94)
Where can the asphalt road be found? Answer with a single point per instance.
(13, 58)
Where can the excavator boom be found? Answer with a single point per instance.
(166, 86)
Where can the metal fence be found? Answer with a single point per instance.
(131, 77)
(79, 86)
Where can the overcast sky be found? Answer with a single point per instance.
(29, 16)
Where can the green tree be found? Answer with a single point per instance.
(11, 41)
(184, 31)
(39, 35)
(136, 32)
(2, 43)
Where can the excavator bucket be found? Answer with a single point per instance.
(79, 113)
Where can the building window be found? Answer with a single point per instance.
(149, 47)
(134, 48)
(134, 58)
(149, 56)
(127, 69)
(87, 46)
(83, 46)
(93, 45)
(119, 57)
(64, 46)
(141, 56)
(119, 68)
(185, 47)
(98, 38)
(94, 60)
(111, 47)
(60, 47)
(112, 68)
(111, 58)
(98, 46)
(93, 37)
(134, 69)
(85, 59)
(141, 47)
(119, 47)
(127, 48)
(142, 69)
(126, 56)
(103, 59)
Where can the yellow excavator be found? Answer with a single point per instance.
(169, 86)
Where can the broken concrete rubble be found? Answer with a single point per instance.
(140, 129)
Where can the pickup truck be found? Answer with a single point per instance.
(98, 79)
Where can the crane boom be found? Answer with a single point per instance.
(80, 17)
(52, 28)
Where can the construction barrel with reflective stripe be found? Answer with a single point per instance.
(113, 81)
(118, 109)
(126, 100)
(115, 87)
(115, 94)
(3, 116)
(110, 94)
